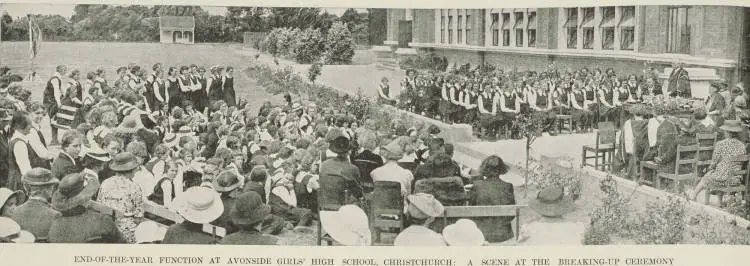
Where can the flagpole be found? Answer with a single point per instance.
(31, 46)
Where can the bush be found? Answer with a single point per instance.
(340, 44)
(595, 235)
(269, 42)
(612, 217)
(314, 72)
(663, 222)
(309, 46)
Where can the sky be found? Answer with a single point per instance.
(66, 10)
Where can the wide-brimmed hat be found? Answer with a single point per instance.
(340, 143)
(148, 232)
(11, 231)
(423, 206)
(170, 139)
(550, 202)
(39, 177)
(199, 205)
(393, 151)
(124, 161)
(463, 233)
(249, 209)
(73, 191)
(732, 126)
(433, 129)
(98, 154)
(6, 194)
(226, 181)
(348, 226)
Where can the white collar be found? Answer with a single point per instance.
(18, 135)
(91, 172)
(58, 75)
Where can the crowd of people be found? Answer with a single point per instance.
(490, 99)
(186, 145)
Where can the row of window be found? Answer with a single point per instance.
(600, 28)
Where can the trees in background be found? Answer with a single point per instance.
(140, 23)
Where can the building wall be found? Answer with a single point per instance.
(423, 25)
(378, 20)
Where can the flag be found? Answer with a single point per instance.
(35, 37)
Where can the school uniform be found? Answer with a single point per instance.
(174, 93)
(53, 95)
(22, 158)
(64, 165)
(228, 89)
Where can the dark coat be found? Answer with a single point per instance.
(678, 83)
(493, 191)
(224, 220)
(248, 238)
(63, 165)
(337, 176)
(4, 153)
(35, 216)
(79, 225)
(187, 233)
(367, 161)
(257, 188)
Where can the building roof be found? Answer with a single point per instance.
(177, 22)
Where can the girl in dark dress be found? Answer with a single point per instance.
(228, 86)
(184, 84)
(173, 87)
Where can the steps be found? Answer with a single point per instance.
(387, 64)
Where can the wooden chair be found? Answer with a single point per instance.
(683, 159)
(706, 143)
(562, 121)
(327, 205)
(387, 208)
(741, 170)
(605, 145)
(486, 211)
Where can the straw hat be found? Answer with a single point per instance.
(97, 153)
(148, 232)
(732, 126)
(226, 181)
(463, 233)
(339, 143)
(249, 209)
(199, 205)
(550, 202)
(72, 192)
(393, 151)
(124, 161)
(348, 226)
(10, 230)
(423, 206)
(39, 177)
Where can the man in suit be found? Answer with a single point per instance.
(679, 81)
(65, 163)
(36, 215)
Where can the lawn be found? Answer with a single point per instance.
(88, 56)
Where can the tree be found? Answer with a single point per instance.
(340, 45)
(530, 125)
(5, 21)
(376, 19)
(350, 18)
(309, 47)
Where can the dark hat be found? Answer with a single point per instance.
(550, 202)
(249, 209)
(226, 181)
(340, 144)
(433, 129)
(39, 177)
(124, 161)
(73, 191)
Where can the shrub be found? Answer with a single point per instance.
(712, 231)
(663, 222)
(594, 235)
(612, 217)
(314, 72)
(309, 46)
(269, 42)
(340, 44)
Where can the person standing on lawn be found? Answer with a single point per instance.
(53, 96)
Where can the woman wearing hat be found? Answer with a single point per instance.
(198, 206)
(715, 104)
(228, 184)
(9, 201)
(492, 190)
(36, 215)
(78, 224)
(283, 199)
(248, 214)
(391, 170)
(421, 212)
(464, 233)
(339, 177)
(10, 232)
(122, 194)
(721, 171)
(348, 226)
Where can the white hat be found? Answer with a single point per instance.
(149, 231)
(348, 226)
(6, 194)
(463, 233)
(12, 231)
(423, 206)
(199, 205)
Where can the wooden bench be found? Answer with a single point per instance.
(160, 211)
(486, 211)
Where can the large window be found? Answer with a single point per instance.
(506, 29)
(495, 29)
(608, 28)
(571, 27)
(450, 29)
(460, 29)
(519, 28)
(588, 28)
(442, 27)
(531, 28)
(627, 28)
(678, 30)
(468, 29)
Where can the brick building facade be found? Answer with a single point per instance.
(620, 37)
